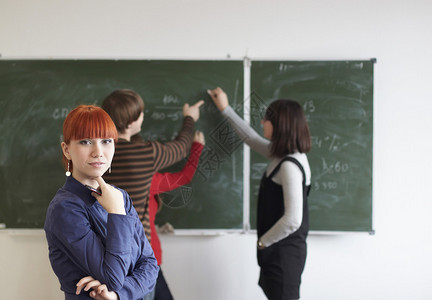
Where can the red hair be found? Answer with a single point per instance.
(87, 122)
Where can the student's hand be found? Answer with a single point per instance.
(219, 98)
(111, 198)
(192, 111)
(199, 137)
(99, 292)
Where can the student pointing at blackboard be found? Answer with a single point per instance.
(136, 161)
(282, 212)
(97, 246)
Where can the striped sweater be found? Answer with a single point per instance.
(134, 164)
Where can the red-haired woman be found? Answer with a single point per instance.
(282, 212)
(97, 246)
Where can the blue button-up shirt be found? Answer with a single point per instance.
(85, 240)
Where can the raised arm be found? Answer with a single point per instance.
(245, 132)
(164, 182)
(166, 154)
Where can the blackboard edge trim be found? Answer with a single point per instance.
(336, 232)
(203, 232)
(192, 232)
(217, 232)
(23, 231)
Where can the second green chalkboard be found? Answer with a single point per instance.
(337, 97)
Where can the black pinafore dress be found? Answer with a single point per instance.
(283, 262)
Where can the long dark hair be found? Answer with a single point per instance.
(290, 128)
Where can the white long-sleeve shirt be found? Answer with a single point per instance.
(289, 177)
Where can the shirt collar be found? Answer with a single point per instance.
(74, 186)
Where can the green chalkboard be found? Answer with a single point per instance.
(337, 97)
(36, 95)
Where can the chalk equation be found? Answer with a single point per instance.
(330, 142)
(60, 113)
(169, 110)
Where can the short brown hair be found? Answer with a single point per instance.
(124, 107)
(290, 128)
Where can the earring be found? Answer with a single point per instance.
(109, 170)
(68, 173)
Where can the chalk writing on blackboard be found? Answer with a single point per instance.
(337, 98)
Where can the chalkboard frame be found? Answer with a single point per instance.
(245, 224)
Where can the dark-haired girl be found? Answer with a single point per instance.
(282, 212)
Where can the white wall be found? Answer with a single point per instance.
(395, 263)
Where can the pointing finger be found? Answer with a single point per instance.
(199, 103)
(101, 182)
